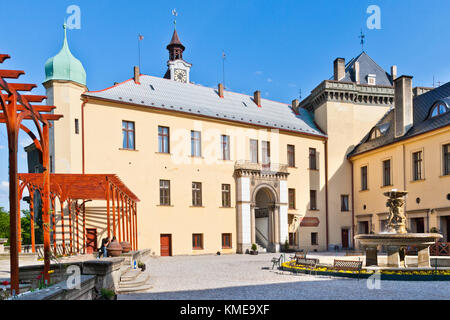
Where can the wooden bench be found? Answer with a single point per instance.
(348, 265)
(299, 254)
(309, 263)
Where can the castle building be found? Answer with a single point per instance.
(219, 171)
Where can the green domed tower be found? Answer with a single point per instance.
(65, 82)
(64, 66)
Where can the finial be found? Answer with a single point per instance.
(175, 14)
(362, 36)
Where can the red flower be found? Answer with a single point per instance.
(5, 283)
(39, 277)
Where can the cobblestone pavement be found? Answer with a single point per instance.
(251, 277)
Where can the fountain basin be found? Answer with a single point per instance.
(395, 244)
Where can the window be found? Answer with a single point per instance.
(225, 147)
(266, 154)
(254, 151)
(226, 195)
(226, 241)
(163, 139)
(376, 133)
(417, 165)
(312, 159)
(291, 155)
(164, 192)
(196, 194)
(312, 200)
(438, 109)
(196, 144)
(128, 135)
(344, 202)
(292, 238)
(291, 198)
(386, 173)
(446, 160)
(314, 240)
(371, 79)
(197, 241)
(77, 126)
(364, 178)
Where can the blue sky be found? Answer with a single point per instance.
(278, 47)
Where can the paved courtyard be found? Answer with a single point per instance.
(251, 277)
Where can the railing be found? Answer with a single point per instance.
(440, 249)
(268, 167)
(264, 240)
(27, 248)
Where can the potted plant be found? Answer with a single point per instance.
(141, 265)
(254, 250)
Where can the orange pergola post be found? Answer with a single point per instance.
(77, 211)
(54, 224)
(135, 226)
(118, 216)
(69, 205)
(61, 202)
(128, 222)
(33, 240)
(122, 198)
(114, 212)
(84, 228)
(108, 223)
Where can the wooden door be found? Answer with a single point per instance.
(166, 245)
(91, 240)
(344, 233)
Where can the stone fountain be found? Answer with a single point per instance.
(397, 239)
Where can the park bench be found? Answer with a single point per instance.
(298, 254)
(308, 263)
(348, 265)
(277, 261)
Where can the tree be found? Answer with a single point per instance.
(4, 224)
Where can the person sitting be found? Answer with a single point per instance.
(103, 251)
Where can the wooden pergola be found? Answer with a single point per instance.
(121, 208)
(15, 108)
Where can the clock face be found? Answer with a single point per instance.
(180, 75)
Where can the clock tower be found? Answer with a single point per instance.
(177, 68)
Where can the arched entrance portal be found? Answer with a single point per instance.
(264, 218)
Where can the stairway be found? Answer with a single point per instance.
(134, 281)
(261, 241)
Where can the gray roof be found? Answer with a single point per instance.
(160, 93)
(366, 66)
(422, 122)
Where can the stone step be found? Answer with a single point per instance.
(137, 282)
(140, 289)
(130, 275)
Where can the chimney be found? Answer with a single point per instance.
(339, 68)
(394, 72)
(136, 75)
(220, 90)
(403, 101)
(356, 70)
(295, 105)
(257, 97)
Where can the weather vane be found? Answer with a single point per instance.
(175, 14)
(362, 36)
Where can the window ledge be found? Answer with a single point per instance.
(197, 249)
(125, 149)
(418, 180)
(444, 176)
(164, 205)
(345, 210)
(365, 190)
(313, 210)
(292, 167)
(166, 153)
(226, 207)
(200, 157)
(313, 169)
(387, 186)
(196, 206)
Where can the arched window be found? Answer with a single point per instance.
(438, 109)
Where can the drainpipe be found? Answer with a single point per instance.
(82, 135)
(326, 191)
(353, 208)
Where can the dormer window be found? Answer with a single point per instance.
(371, 79)
(438, 109)
(375, 134)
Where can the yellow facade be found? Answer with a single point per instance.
(427, 198)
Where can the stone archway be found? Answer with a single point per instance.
(264, 217)
(264, 194)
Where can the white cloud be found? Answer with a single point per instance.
(292, 85)
(4, 185)
(269, 80)
(2, 147)
(258, 73)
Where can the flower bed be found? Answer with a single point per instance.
(386, 274)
